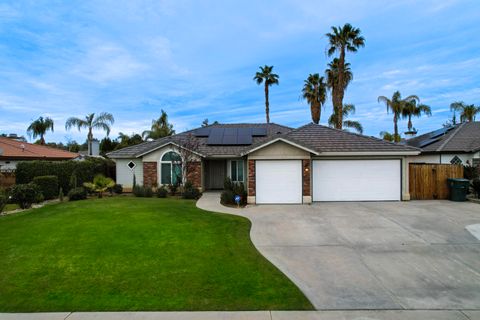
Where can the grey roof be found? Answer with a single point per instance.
(273, 130)
(326, 139)
(463, 138)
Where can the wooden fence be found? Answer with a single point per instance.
(7, 178)
(429, 181)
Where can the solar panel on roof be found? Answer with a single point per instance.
(244, 139)
(244, 131)
(229, 140)
(230, 131)
(216, 136)
(438, 133)
(259, 132)
(202, 132)
(427, 142)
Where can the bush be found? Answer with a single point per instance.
(118, 189)
(142, 192)
(162, 192)
(173, 189)
(470, 172)
(77, 194)
(476, 187)
(48, 186)
(190, 192)
(99, 185)
(70, 173)
(26, 194)
(231, 190)
(3, 201)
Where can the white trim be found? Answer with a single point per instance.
(166, 144)
(373, 153)
(283, 140)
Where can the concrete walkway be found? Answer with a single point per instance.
(415, 255)
(252, 315)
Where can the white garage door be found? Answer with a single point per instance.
(278, 181)
(356, 180)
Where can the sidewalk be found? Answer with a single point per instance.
(252, 315)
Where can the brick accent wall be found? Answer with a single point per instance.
(194, 173)
(251, 178)
(150, 174)
(306, 177)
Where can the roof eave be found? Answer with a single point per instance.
(371, 153)
(263, 145)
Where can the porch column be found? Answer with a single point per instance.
(306, 181)
(194, 174)
(150, 174)
(251, 181)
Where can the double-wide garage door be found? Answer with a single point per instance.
(356, 180)
(280, 181)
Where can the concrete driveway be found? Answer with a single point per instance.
(371, 255)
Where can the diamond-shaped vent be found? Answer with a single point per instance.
(456, 160)
(131, 165)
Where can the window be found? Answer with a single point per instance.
(131, 165)
(171, 168)
(456, 160)
(236, 170)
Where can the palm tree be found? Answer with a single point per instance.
(396, 104)
(268, 78)
(347, 109)
(341, 40)
(315, 92)
(412, 108)
(39, 128)
(387, 136)
(102, 122)
(467, 112)
(160, 128)
(456, 106)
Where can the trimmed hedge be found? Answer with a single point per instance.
(26, 194)
(83, 171)
(48, 186)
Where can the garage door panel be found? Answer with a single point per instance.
(356, 180)
(278, 181)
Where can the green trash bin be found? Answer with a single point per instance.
(458, 189)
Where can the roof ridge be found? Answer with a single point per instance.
(454, 133)
(361, 135)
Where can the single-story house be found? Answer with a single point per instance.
(276, 163)
(459, 144)
(13, 151)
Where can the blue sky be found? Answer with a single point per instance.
(196, 60)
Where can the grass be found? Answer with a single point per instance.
(124, 253)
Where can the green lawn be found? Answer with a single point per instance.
(129, 253)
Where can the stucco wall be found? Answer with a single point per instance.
(279, 151)
(125, 175)
(157, 154)
(441, 158)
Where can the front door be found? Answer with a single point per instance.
(216, 170)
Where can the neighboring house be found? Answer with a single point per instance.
(14, 151)
(458, 144)
(277, 164)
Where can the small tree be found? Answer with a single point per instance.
(188, 151)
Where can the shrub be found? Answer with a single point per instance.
(77, 194)
(26, 194)
(139, 191)
(190, 192)
(173, 189)
(99, 185)
(476, 187)
(148, 192)
(231, 190)
(48, 186)
(227, 184)
(3, 201)
(162, 192)
(70, 173)
(470, 172)
(227, 197)
(118, 189)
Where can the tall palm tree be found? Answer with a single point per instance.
(414, 109)
(468, 112)
(39, 128)
(342, 39)
(332, 74)
(454, 107)
(315, 92)
(160, 128)
(268, 78)
(103, 122)
(396, 105)
(347, 110)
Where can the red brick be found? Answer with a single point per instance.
(306, 177)
(251, 178)
(150, 174)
